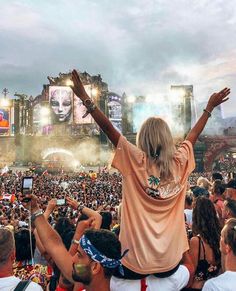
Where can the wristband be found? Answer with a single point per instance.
(208, 112)
(75, 241)
(89, 104)
(36, 214)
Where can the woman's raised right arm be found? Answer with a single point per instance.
(100, 118)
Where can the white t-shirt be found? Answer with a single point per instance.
(224, 282)
(10, 283)
(22, 224)
(189, 216)
(175, 282)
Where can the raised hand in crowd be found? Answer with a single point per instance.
(52, 204)
(79, 268)
(72, 202)
(217, 99)
(50, 208)
(80, 229)
(100, 118)
(78, 87)
(90, 213)
(214, 100)
(49, 238)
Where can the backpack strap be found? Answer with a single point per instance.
(22, 285)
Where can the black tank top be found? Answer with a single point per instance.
(205, 270)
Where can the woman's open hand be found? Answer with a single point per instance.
(78, 87)
(218, 98)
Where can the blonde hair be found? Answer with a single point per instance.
(204, 183)
(155, 139)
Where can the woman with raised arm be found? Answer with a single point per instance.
(155, 177)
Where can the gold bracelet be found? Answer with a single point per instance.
(208, 112)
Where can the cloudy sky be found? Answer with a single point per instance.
(138, 46)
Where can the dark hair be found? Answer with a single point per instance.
(217, 176)
(22, 242)
(229, 234)
(189, 199)
(206, 223)
(106, 219)
(199, 191)
(107, 243)
(63, 226)
(218, 187)
(231, 205)
(232, 184)
(67, 238)
(82, 217)
(116, 230)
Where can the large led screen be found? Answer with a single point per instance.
(61, 104)
(80, 109)
(67, 107)
(115, 110)
(4, 121)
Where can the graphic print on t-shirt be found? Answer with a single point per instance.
(153, 185)
(157, 190)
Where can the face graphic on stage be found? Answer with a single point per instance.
(61, 104)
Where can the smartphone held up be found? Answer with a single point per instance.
(27, 188)
(61, 202)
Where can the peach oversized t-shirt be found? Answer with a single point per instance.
(153, 229)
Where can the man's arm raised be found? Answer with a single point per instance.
(50, 239)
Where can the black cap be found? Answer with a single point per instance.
(199, 191)
(217, 176)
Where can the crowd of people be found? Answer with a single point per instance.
(96, 190)
(150, 226)
(208, 204)
(226, 163)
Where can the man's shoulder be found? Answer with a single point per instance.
(12, 282)
(33, 286)
(211, 283)
(220, 282)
